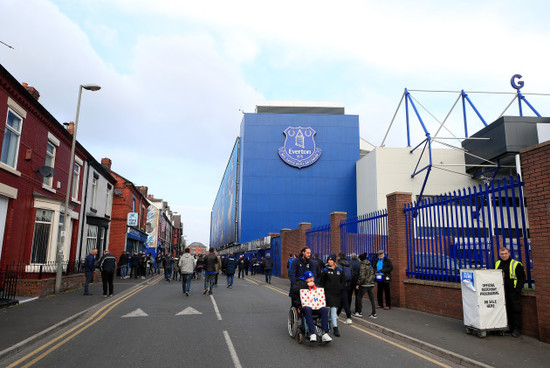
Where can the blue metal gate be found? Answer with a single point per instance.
(465, 229)
(318, 240)
(365, 234)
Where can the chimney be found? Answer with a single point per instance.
(106, 163)
(143, 190)
(34, 93)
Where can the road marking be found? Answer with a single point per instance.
(401, 347)
(232, 351)
(88, 322)
(216, 308)
(187, 311)
(137, 313)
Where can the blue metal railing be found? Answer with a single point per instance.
(465, 230)
(365, 234)
(318, 240)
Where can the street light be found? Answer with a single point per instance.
(61, 239)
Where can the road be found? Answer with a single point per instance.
(155, 324)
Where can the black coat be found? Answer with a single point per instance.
(333, 282)
(230, 265)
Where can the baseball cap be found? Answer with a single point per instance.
(307, 275)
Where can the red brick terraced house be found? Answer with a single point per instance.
(34, 169)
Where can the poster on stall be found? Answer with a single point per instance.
(483, 299)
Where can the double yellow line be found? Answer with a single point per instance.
(79, 328)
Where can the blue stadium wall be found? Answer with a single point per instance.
(274, 195)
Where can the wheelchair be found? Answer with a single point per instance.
(297, 327)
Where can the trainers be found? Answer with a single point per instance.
(373, 315)
(348, 321)
(205, 291)
(326, 337)
(187, 293)
(313, 338)
(358, 315)
(336, 332)
(387, 308)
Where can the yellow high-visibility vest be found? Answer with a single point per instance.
(513, 265)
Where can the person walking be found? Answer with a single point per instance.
(332, 279)
(134, 263)
(268, 267)
(514, 278)
(187, 265)
(123, 263)
(344, 264)
(240, 265)
(89, 269)
(384, 267)
(175, 269)
(355, 269)
(107, 266)
(365, 284)
(246, 266)
(168, 261)
(230, 267)
(302, 264)
(211, 263)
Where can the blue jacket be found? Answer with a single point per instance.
(231, 265)
(89, 263)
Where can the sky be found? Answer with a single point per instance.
(176, 75)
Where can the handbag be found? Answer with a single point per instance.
(313, 298)
(387, 278)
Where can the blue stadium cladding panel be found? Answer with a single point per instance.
(274, 195)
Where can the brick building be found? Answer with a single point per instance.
(129, 214)
(34, 169)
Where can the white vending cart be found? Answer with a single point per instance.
(483, 301)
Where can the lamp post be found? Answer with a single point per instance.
(61, 239)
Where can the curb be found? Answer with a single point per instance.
(425, 346)
(6, 353)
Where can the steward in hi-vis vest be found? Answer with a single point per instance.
(514, 278)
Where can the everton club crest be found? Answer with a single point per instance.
(299, 149)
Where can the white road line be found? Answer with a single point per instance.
(232, 351)
(216, 308)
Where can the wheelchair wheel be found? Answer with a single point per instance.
(293, 322)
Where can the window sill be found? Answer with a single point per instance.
(9, 169)
(48, 188)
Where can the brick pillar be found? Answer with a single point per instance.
(397, 245)
(535, 164)
(335, 240)
(292, 241)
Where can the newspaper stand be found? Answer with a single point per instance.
(483, 301)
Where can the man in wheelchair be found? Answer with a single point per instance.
(308, 282)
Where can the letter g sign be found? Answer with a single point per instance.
(517, 85)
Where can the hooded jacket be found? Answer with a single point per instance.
(187, 264)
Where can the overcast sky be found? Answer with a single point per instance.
(174, 74)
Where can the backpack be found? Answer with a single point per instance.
(347, 273)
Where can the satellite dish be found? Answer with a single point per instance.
(46, 171)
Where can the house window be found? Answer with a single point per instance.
(41, 239)
(109, 200)
(91, 238)
(12, 135)
(50, 161)
(94, 190)
(76, 181)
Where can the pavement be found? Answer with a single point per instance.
(37, 318)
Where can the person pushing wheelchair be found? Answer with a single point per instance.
(307, 281)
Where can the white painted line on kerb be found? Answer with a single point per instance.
(216, 308)
(232, 351)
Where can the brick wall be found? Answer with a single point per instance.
(45, 287)
(535, 162)
(292, 241)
